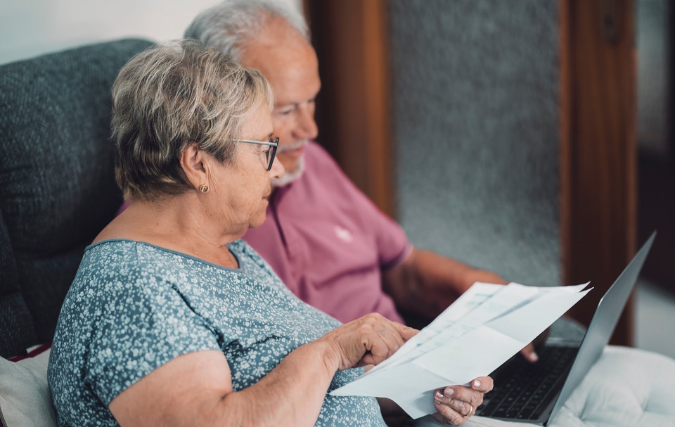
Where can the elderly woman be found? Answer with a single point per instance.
(171, 319)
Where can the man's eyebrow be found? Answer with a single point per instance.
(294, 104)
(287, 104)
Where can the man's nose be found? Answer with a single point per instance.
(305, 127)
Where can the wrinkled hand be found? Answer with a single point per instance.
(455, 404)
(366, 341)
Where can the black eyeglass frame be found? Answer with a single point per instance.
(273, 142)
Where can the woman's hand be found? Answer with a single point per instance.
(456, 404)
(366, 341)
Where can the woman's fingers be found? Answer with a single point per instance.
(459, 406)
(464, 394)
(463, 400)
(384, 340)
(406, 332)
(447, 415)
(378, 337)
(365, 341)
(482, 384)
(455, 404)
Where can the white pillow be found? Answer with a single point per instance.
(25, 400)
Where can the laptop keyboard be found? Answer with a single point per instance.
(523, 390)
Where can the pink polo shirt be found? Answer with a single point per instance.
(329, 243)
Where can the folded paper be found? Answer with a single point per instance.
(483, 329)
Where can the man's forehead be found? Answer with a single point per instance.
(267, 54)
(275, 31)
(289, 63)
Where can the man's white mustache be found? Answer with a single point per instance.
(289, 177)
(294, 146)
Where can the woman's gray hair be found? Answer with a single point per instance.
(169, 96)
(227, 26)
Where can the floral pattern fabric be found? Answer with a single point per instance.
(134, 307)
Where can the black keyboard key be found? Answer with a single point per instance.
(500, 412)
(520, 387)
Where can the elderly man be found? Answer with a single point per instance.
(325, 239)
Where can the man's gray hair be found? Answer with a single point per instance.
(227, 26)
(170, 96)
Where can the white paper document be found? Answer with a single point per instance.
(475, 335)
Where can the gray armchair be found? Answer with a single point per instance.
(57, 185)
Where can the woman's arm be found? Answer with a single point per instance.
(195, 389)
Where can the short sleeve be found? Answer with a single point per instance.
(142, 323)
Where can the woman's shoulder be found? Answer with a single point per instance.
(120, 254)
(104, 266)
(110, 253)
(137, 265)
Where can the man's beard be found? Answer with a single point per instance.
(289, 177)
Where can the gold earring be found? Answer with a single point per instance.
(204, 188)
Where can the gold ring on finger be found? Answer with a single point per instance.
(470, 410)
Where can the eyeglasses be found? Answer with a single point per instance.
(269, 154)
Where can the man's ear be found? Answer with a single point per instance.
(193, 162)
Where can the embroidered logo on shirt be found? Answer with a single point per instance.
(343, 234)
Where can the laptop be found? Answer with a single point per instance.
(534, 392)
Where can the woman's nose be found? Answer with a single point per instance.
(277, 170)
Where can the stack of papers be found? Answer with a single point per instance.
(484, 328)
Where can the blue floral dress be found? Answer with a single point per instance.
(134, 307)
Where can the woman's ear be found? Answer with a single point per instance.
(193, 162)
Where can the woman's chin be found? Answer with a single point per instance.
(258, 220)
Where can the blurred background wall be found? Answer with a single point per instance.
(32, 27)
(475, 124)
(655, 41)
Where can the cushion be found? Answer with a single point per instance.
(626, 387)
(25, 400)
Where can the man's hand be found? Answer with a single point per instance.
(529, 353)
(426, 283)
(529, 350)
